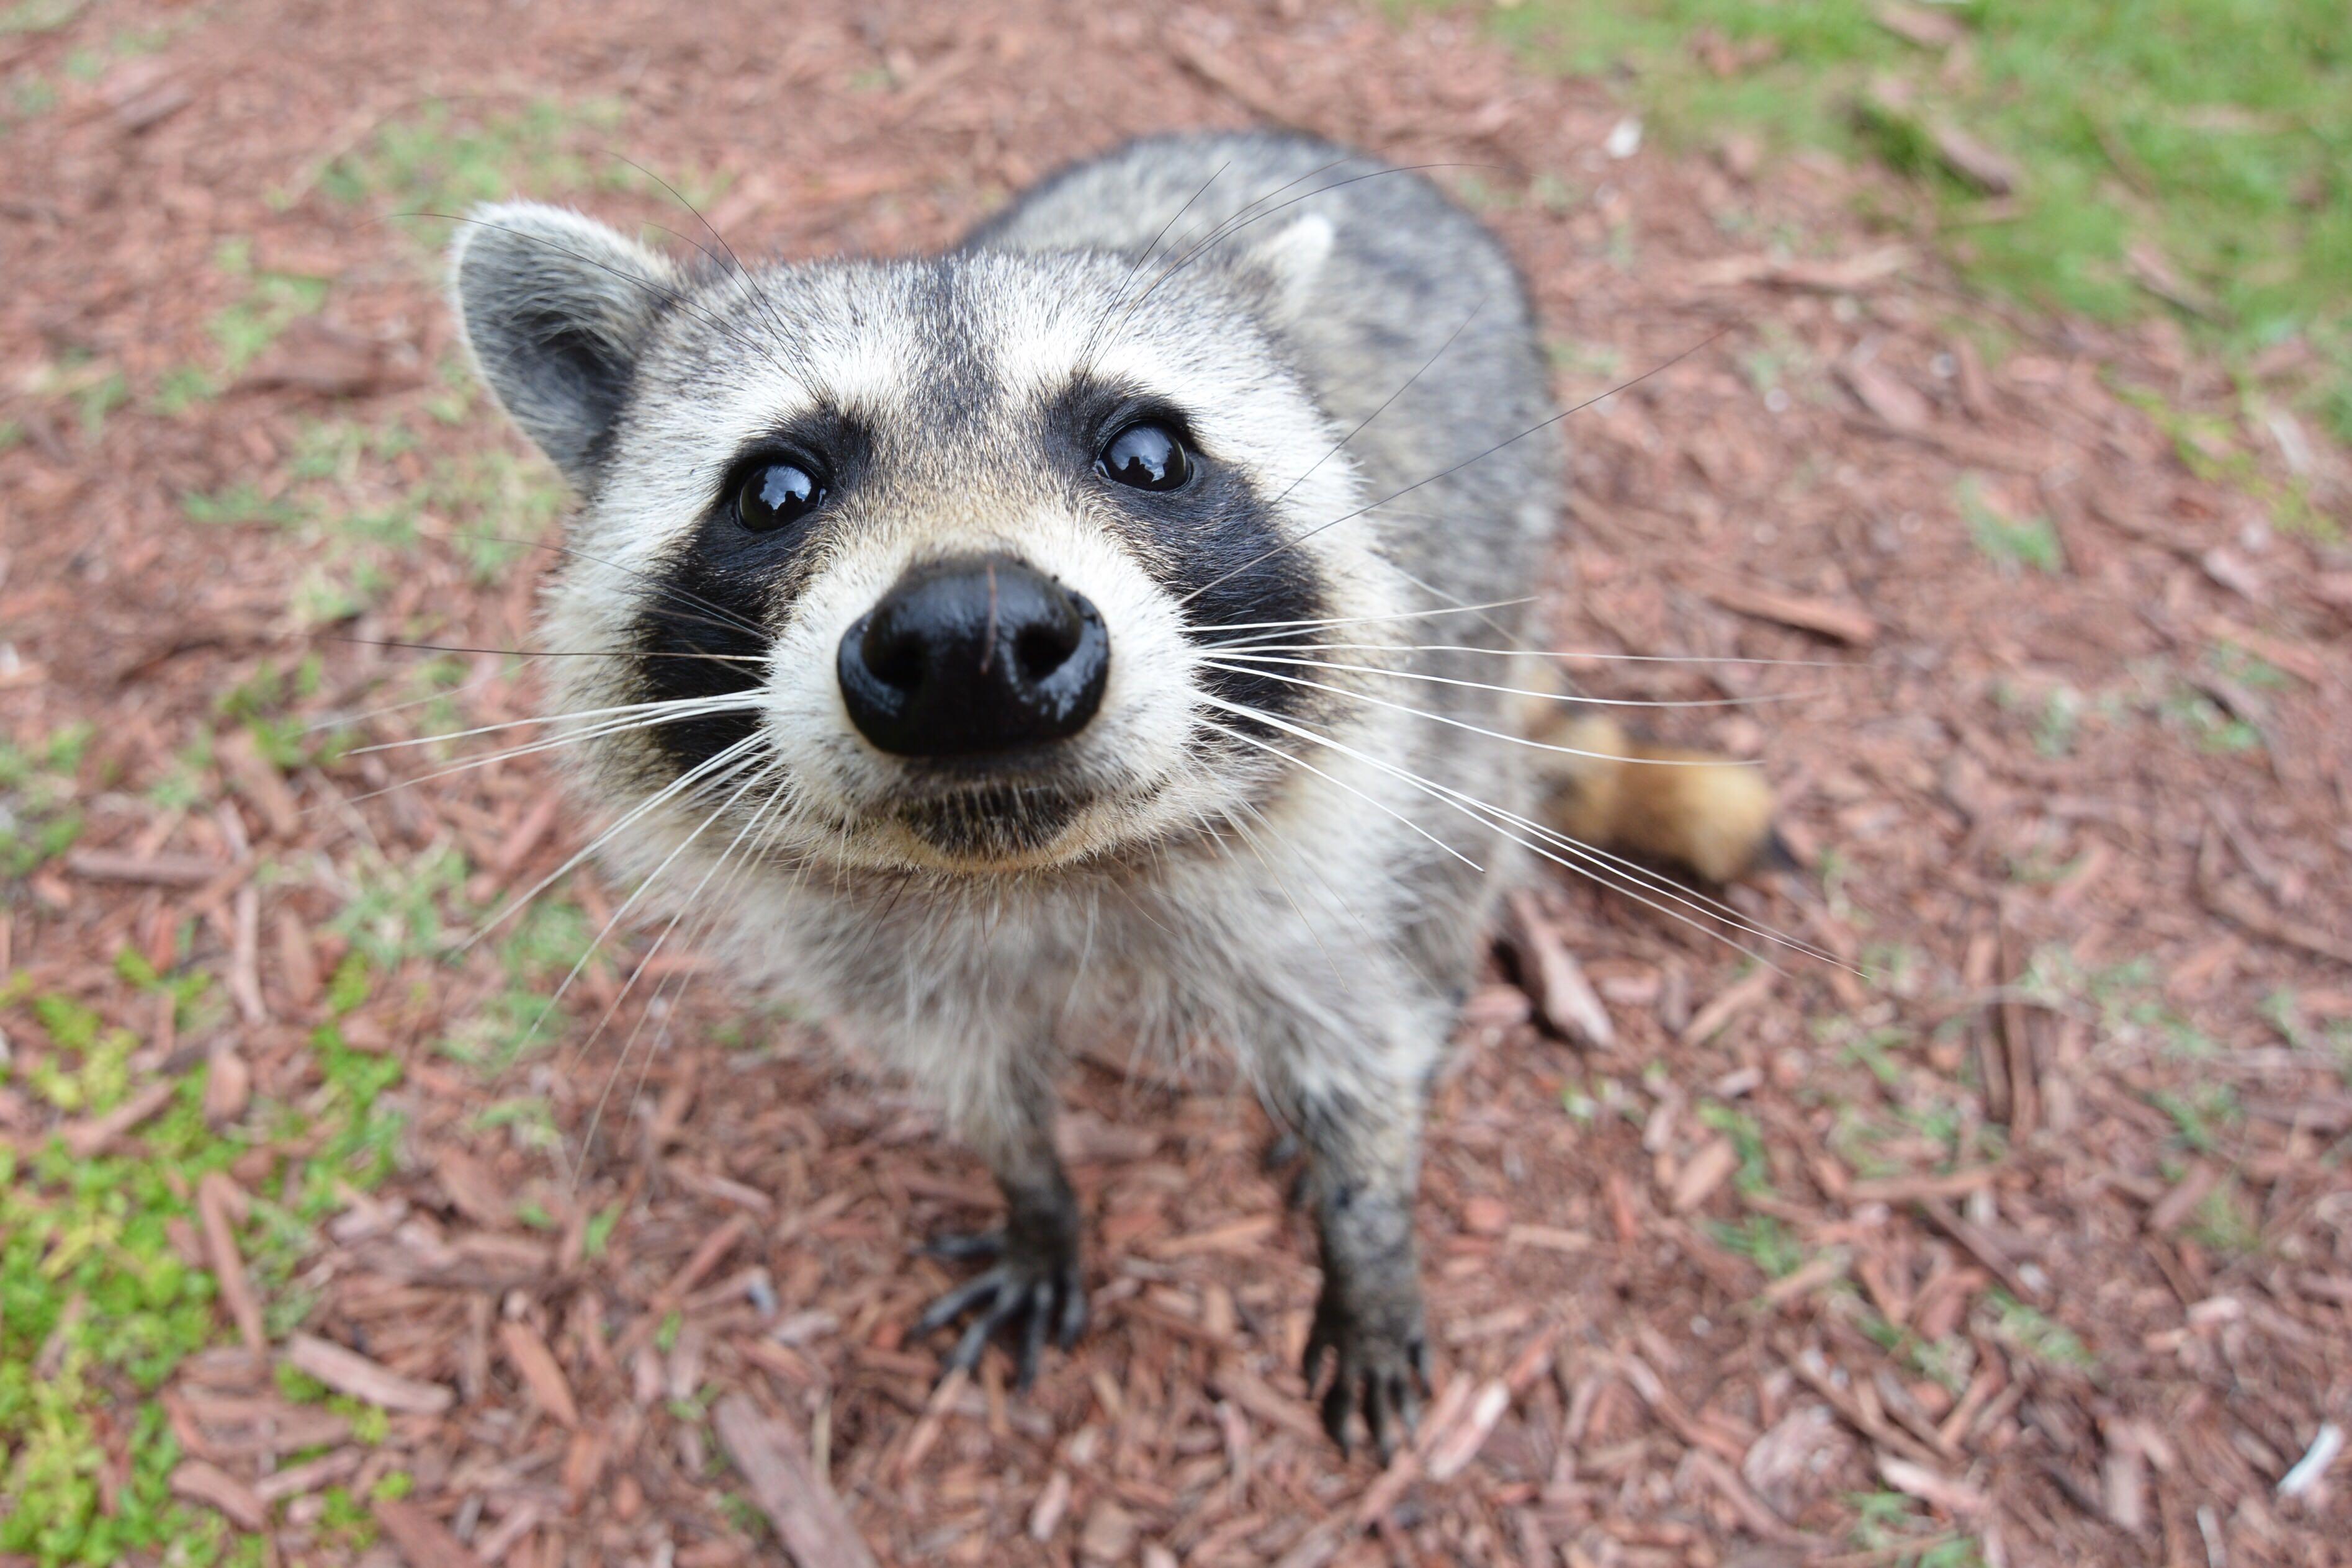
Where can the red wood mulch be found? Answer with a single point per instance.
(2041, 1233)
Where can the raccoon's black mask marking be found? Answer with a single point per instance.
(725, 583)
(1215, 537)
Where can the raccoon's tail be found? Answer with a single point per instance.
(1706, 814)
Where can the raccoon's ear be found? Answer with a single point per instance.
(556, 309)
(1293, 256)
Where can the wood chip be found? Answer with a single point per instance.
(1733, 1000)
(1825, 617)
(295, 1480)
(217, 1201)
(1554, 980)
(257, 778)
(2316, 1460)
(925, 1434)
(1981, 1247)
(228, 1083)
(1245, 1388)
(1956, 1497)
(1910, 1188)
(476, 1194)
(88, 1136)
(209, 1484)
(316, 355)
(2173, 1210)
(1884, 394)
(1549, 1238)
(1842, 275)
(1813, 1367)
(1451, 1451)
(152, 870)
(421, 1539)
(1241, 85)
(1918, 25)
(346, 1371)
(1238, 1236)
(776, 1464)
(1972, 159)
(1754, 1512)
(1825, 1269)
(527, 1353)
(1703, 1173)
(2122, 1481)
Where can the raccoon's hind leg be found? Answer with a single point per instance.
(1034, 1286)
(1702, 813)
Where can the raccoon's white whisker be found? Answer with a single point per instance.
(1346, 904)
(554, 653)
(672, 707)
(760, 769)
(1276, 627)
(351, 720)
(1272, 749)
(1627, 868)
(684, 781)
(1522, 691)
(1095, 335)
(692, 901)
(728, 620)
(1485, 814)
(1282, 887)
(734, 263)
(609, 728)
(1234, 225)
(1472, 728)
(1555, 653)
(1596, 862)
(1445, 473)
(1688, 897)
(1402, 388)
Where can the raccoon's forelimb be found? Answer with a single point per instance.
(1035, 1286)
(1361, 1130)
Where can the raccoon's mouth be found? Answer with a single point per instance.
(992, 821)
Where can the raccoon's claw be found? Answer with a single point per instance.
(1381, 1370)
(1037, 1289)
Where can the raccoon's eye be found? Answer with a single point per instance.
(774, 494)
(1147, 456)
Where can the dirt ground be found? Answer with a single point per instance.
(2031, 1244)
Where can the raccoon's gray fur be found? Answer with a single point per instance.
(1226, 852)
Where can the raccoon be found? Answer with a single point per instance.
(1032, 642)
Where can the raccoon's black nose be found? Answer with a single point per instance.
(976, 654)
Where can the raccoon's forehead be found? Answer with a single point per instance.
(942, 349)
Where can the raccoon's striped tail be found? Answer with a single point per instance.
(1706, 814)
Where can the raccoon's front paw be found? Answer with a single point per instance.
(1381, 1362)
(1034, 1287)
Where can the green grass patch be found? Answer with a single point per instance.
(2036, 1334)
(2011, 543)
(98, 1307)
(40, 818)
(2196, 149)
(36, 15)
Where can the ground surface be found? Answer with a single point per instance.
(2032, 1246)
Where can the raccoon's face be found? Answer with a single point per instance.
(927, 559)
